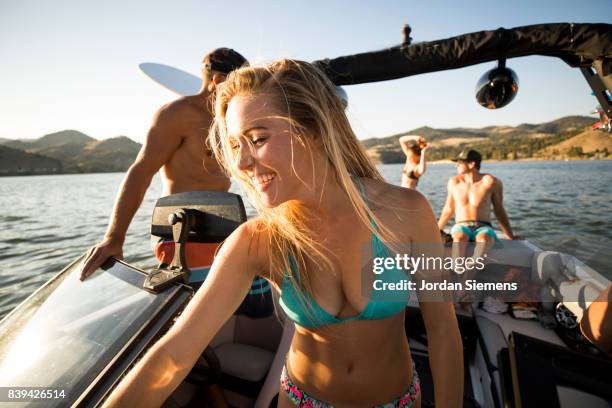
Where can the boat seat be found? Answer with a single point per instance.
(270, 388)
(256, 365)
(567, 279)
(244, 361)
(246, 347)
(252, 353)
(515, 253)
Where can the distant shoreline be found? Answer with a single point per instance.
(30, 174)
(531, 159)
(434, 162)
(534, 159)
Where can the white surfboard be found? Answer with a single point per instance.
(185, 84)
(173, 79)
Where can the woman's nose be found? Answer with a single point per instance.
(245, 158)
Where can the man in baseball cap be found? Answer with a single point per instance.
(469, 156)
(470, 197)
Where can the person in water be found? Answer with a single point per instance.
(281, 131)
(414, 148)
(470, 197)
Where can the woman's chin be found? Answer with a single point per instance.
(267, 204)
(269, 200)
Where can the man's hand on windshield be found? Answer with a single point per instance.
(98, 254)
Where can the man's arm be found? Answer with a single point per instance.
(449, 207)
(497, 198)
(162, 141)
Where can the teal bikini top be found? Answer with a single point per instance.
(394, 301)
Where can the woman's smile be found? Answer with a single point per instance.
(262, 181)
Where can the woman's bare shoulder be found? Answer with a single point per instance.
(388, 196)
(250, 239)
(406, 212)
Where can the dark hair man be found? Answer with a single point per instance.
(176, 144)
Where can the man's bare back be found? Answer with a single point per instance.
(191, 120)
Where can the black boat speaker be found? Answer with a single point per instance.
(497, 87)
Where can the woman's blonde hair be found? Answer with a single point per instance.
(308, 101)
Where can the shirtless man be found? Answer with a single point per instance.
(176, 143)
(470, 196)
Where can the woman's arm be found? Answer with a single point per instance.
(404, 142)
(445, 352)
(420, 170)
(445, 345)
(169, 361)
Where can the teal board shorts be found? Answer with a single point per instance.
(473, 229)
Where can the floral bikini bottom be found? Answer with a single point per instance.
(303, 400)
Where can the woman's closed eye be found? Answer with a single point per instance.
(258, 141)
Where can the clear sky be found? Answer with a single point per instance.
(74, 64)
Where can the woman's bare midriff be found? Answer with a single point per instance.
(359, 363)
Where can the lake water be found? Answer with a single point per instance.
(48, 221)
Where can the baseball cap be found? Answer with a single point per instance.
(469, 156)
(224, 60)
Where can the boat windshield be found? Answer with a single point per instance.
(65, 334)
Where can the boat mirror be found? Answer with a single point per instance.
(497, 87)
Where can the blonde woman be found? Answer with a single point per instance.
(281, 131)
(414, 148)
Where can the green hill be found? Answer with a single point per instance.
(50, 141)
(114, 154)
(62, 138)
(15, 162)
(75, 151)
